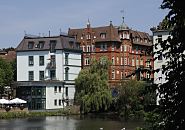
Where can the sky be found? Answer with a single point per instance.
(38, 17)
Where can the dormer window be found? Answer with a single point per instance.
(88, 36)
(40, 45)
(103, 35)
(71, 43)
(30, 45)
(53, 45)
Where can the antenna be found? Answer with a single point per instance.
(122, 11)
(60, 31)
(24, 33)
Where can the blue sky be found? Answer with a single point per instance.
(39, 16)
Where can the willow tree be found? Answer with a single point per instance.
(92, 91)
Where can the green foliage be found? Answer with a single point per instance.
(7, 115)
(172, 103)
(6, 74)
(133, 97)
(92, 91)
(172, 92)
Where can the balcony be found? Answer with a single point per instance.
(51, 65)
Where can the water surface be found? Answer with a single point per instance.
(68, 123)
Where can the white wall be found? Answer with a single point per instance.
(74, 65)
(51, 95)
(159, 78)
(23, 67)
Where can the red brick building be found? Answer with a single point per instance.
(124, 47)
(8, 56)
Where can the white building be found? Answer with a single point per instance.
(160, 60)
(46, 70)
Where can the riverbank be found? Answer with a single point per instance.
(24, 114)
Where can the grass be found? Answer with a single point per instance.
(8, 115)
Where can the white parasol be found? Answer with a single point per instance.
(4, 101)
(17, 101)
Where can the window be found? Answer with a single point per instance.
(41, 60)
(159, 38)
(31, 61)
(66, 91)
(83, 48)
(121, 36)
(121, 60)
(121, 47)
(87, 61)
(117, 60)
(113, 46)
(52, 46)
(71, 43)
(66, 73)
(136, 50)
(160, 56)
(55, 102)
(30, 45)
(122, 76)
(41, 75)
(66, 58)
(52, 62)
(103, 47)
(113, 74)
(141, 62)
(103, 35)
(137, 61)
(125, 61)
(59, 102)
(88, 36)
(126, 74)
(148, 63)
(124, 35)
(41, 44)
(59, 89)
(52, 74)
(125, 47)
(88, 48)
(55, 89)
(30, 75)
(133, 62)
(93, 48)
(148, 75)
(113, 60)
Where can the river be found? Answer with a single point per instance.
(68, 123)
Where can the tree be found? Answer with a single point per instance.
(92, 91)
(6, 74)
(172, 103)
(133, 98)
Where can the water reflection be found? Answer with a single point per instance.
(67, 123)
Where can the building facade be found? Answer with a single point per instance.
(159, 35)
(46, 70)
(127, 49)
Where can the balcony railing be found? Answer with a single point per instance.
(51, 65)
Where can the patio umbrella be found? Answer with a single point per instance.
(17, 101)
(4, 101)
